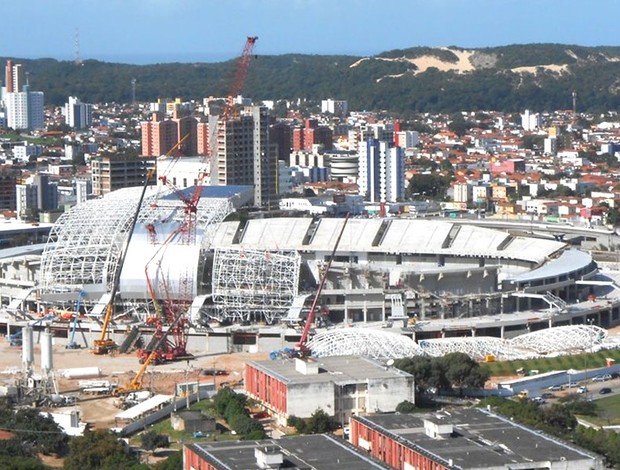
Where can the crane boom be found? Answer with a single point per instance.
(105, 344)
(301, 346)
(136, 382)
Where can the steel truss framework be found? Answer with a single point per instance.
(561, 338)
(250, 284)
(375, 344)
(85, 244)
(386, 345)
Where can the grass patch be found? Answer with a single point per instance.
(547, 364)
(608, 412)
(178, 438)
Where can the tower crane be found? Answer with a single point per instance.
(171, 345)
(191, 203)
(105, 344)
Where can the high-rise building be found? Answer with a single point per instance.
(14, 77)
(382, 171)
(202, 138)
(246, 157)
(160, 135)
(529, 121)
(39, 194)
(336, 107)
(280, 135)
(312, 134)
(24, 108)
(116, 171)
(77, 114)
(8, 181)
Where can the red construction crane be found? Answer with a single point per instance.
(188, 229)
(171, 344)
(301, 349)
(105, 344)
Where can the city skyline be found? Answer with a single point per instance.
(155, 31)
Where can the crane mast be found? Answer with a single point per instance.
(170, 344)
(105, 344)
(301, 348)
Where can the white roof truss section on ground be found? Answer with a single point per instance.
(147, 405)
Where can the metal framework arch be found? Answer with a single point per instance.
(476, 347)
(561, 338)
(85, 243)
(388, 345)
(374, 344)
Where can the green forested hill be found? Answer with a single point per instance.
(540, 77)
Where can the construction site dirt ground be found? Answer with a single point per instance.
(120, 369)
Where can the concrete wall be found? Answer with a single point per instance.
(305, 399)
(385, 394)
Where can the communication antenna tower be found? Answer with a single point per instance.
(574, 108)
(133, 91)
(76, 43)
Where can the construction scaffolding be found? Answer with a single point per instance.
(252, 284)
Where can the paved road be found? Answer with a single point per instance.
(593, 390)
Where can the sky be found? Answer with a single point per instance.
(159, 31)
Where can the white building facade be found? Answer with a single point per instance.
(77, 114)
(382, 171)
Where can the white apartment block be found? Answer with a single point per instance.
(335, 107)
(529, 121)
(25, 109)
(77, 114)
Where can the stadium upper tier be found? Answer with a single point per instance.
(232, 264)
(406, 236)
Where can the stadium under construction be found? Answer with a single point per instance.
(248, 281)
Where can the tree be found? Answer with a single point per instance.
(320, 422)
(405, 407)
(34, 431)
(428, 185)
(298, 423)
(419, 367)
(152, 440)
(559, 418)
(462, 371)
(446, 165)
(174, 462)
(100, 450)
(11, 462)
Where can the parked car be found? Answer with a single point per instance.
(604, 390)
(539, 400)
(602, 378)
(582, 389)
(555, 388)
(547, 395)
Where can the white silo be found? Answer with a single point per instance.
(47, 360)
(27, 347)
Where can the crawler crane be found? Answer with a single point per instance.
(105, 344)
